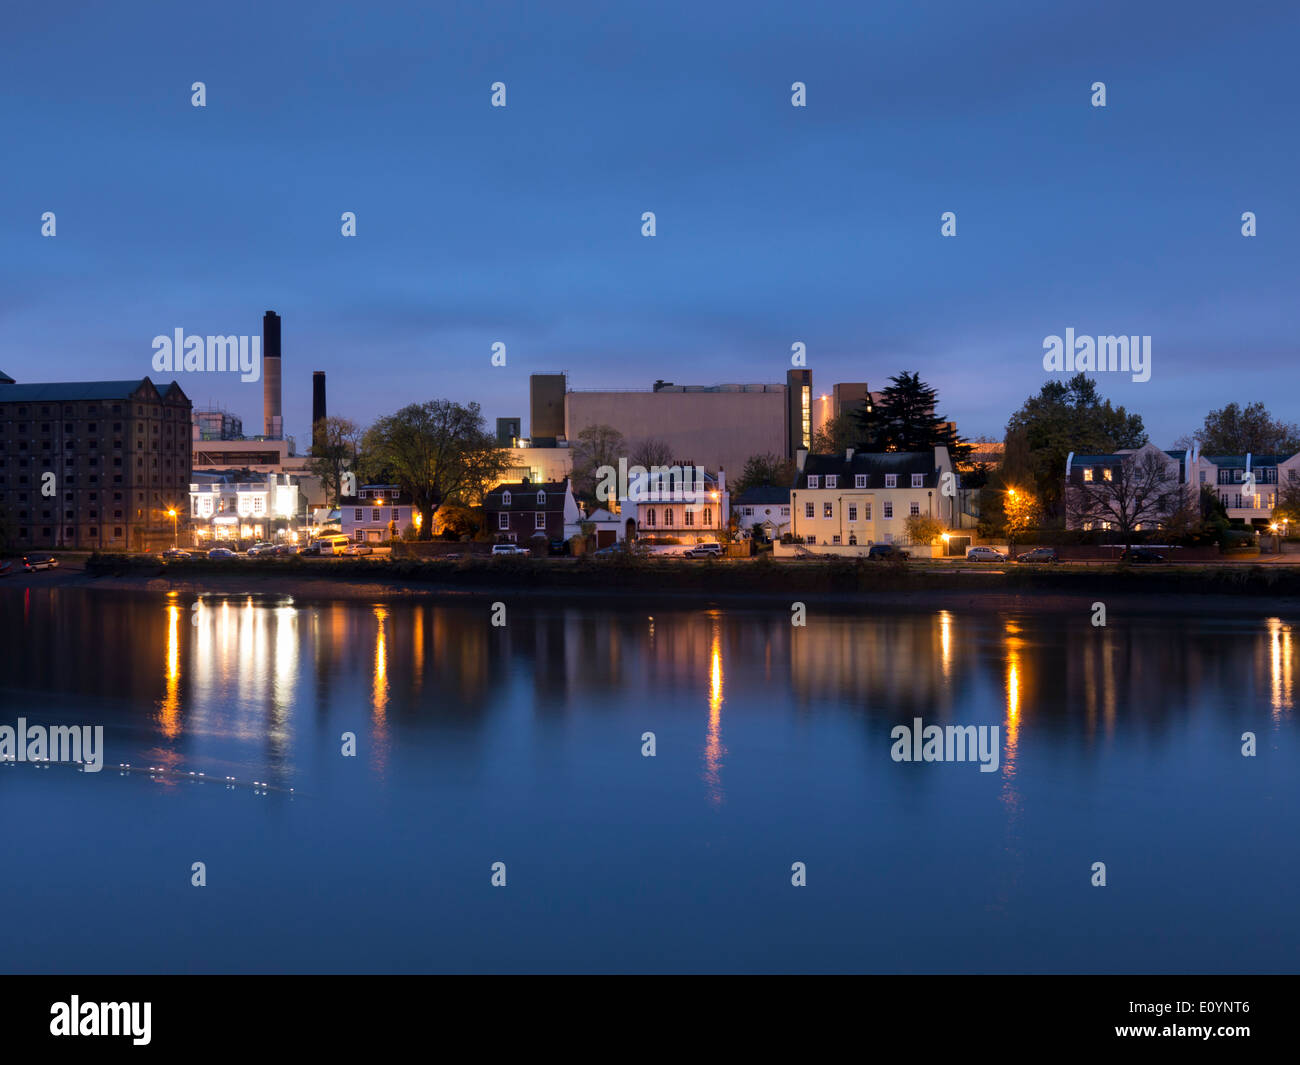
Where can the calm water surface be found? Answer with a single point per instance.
(523, 745)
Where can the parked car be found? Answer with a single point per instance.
(703, 551)
(887, 553)
(358, 549)
(1141, 554)
(283, 550)
(261, 548)
(39, 560)
(6, 567)
(176, 553)
(985, 554)
(1039, 554)
(222, 552)
(559, 547)
(509, 549)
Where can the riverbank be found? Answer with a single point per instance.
(849, 585)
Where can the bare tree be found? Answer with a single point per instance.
(1141, 489)
(597, 447)
(651, 452)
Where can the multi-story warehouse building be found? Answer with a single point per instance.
(94, 464)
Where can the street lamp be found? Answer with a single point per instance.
(171, 513)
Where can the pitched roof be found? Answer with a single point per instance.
(523, 495)
(760, 494)
(63, 391)
(874, 465)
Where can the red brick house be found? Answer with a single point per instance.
(519, 510)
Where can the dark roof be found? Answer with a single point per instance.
(64, 391)
(1240, 460)
(874, 465)
(5, 379)
(523, 495)
(762, 493)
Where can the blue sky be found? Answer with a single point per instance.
(775, 224)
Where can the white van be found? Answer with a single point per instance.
(333, 544)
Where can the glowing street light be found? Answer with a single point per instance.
(171, 513)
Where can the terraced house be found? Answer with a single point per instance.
(857, 499)
(94, 464)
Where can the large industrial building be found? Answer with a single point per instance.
(715, 426)
(94, 464)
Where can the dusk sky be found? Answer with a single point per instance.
(775, 224)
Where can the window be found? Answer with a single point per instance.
(505, 499)
(1107, 474)
(828, 510)
(835, 539)
(889, 510)
(808, 511)
(814, 481)
(650, 518)
(375, 513)
(866, 512)
(832, 480)
(918, 480)
(541, 499)
(1087, 474)
(891, 480)
(859, 480)
(356, 514)
(708, 517)
(914, 509)
(539, 520)
(853, 512)
(668, 517)
(785, 512)
(503, 520)
(1203, 475)
(397, 514)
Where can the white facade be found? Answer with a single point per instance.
(224, 510)
(679, 502)
(376, 513)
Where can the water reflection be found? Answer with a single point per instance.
(218, 671)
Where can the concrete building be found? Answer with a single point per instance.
(857, 499)
(712, 426)
(216, 423)
(94, 464)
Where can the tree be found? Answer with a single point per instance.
(765, 469)
(1064, 417)
(596, 446)
(1235, 430)
(1020, 511)
(651, 452)
(335, 454)
(1141, 489)
(837, 435)
(905, 420)
(1288, 505)
(923, 529)
(437, 452)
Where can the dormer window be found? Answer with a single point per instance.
(918, 480)
(832, 480)
(814, 481)
(891, 480)
(859, 480)
(541, 498)
(505, 499)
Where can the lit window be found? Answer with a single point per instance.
(1107, 474)
(1087, 473)
(828, 510)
